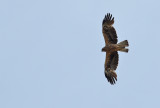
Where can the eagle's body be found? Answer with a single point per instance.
(111, 48)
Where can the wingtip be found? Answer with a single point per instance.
(111, 77)
(108, 19)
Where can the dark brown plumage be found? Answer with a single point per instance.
(111, 48)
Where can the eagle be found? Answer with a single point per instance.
(111, 48)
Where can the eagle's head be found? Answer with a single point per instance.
(103, 49)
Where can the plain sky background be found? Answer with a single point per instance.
(50, 54)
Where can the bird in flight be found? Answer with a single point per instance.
(111, 48)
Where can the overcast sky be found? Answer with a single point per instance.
(50, 54)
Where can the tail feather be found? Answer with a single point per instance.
(122, 46)
(124, 50)
(124, 43)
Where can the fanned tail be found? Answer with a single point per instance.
(122, 46)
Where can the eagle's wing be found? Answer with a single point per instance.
(111, 64)
(109, 33)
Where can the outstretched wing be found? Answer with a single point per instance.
(109, 33)
(111, 64)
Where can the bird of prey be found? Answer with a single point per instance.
(111, 48)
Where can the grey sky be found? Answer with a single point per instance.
(50, 54)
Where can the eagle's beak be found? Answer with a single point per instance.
(102, 50)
